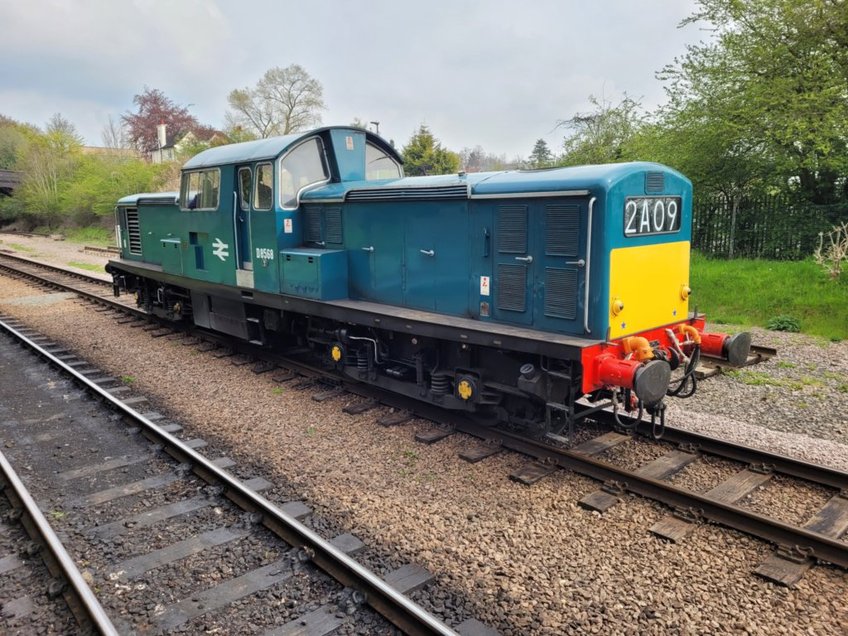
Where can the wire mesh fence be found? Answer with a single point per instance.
(772, 227)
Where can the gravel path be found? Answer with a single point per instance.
(529, 559)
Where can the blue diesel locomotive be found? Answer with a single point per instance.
(510, 295)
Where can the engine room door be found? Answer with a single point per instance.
(435, 247)
(241, 222)
(514, 270)
(561, 259)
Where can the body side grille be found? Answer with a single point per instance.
(312, 225)
(133, 230)
(512, 287)
(562, 230)
(561, 293)
(512, 229)
(333, 225)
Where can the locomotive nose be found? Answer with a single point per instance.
(651, 381)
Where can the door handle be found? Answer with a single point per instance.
(579, 263)
(370, 248)
(524, 259)
(428, 252)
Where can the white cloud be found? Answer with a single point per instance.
(491, 72)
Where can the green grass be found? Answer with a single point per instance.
(761, 378)
(90, 267)
(21, 248)
(97, 236)
(753, 292)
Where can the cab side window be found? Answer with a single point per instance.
(379, 165)
(263, 193)
(199, 190)
(244, 189)
(301, 167)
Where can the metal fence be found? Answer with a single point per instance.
(772, 227)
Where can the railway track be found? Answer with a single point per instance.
(799, 546)
(118, 497)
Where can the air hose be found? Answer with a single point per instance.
(685, 387)
(635, 422)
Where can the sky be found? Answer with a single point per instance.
(495, 73)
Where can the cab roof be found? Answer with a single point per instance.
(272, 147)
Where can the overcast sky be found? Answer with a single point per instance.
(495, 73)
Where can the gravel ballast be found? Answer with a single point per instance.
(528, 559)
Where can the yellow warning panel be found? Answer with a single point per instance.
(649, 287)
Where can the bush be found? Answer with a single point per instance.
(784, 323)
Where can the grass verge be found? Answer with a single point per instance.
(753, 292)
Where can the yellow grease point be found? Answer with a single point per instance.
(465, 389)
(336, 353)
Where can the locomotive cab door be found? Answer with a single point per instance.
(241, 226)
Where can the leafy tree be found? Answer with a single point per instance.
(768, 91)
(63, 132)
(284, 101)
(100, 180)
(48, 161)
(541, 157)
(602, 135)
(237, 133)
(13, 138)
(154, 108)
(424, 155)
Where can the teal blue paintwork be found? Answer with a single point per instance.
(425, 243)
(317, 274)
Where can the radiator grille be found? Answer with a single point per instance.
(562, 225)
(512, 229)
(561, 293)
(654, 182)
(512, 287)
(133, 231)
(333, 225)
(312, 226)
(387, 194)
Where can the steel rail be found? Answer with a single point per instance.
(822, 548)
(103, 300)
(56, 269)
(822, 475)
(727, 514)
(394, 606)
(83, 603)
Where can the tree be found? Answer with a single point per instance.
(284, 101)
(602, 135)
(63, 132)
(478, 160)
(114, 135)
(772, 85)
(13, 139)
(48, 161)
(541, 157)
(155, 108)
(424, 155)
